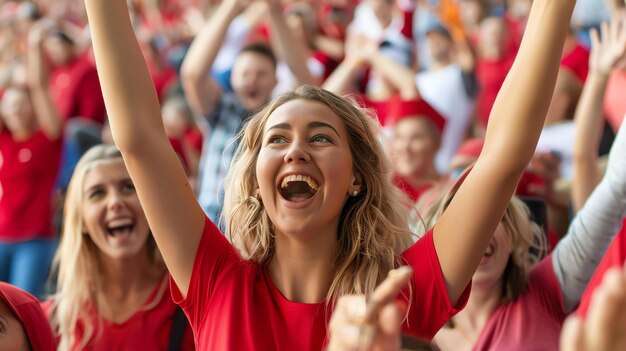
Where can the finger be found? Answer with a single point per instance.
(605, 33)
(595, 40)
(572, 335)
(390, 324)
(351, 309)
(615, 28)
(387, 291)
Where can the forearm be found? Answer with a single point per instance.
(294, 53)
(45, 110)
(128, 91)
(577, 255)
(342, 76)
(401, 77)
(589, 125)
(589, 235)
(206, 45)
(519, 111)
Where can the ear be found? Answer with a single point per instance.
(356, 185)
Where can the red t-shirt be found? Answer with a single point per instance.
(614, 257)
(28, 171)
(533, 321)
(614, 101)
(412, 192)
(75, 90)
(232, 303)
(490, 75)
(146, 330)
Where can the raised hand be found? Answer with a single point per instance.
(608, 48)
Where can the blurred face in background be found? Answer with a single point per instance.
(59, 50)
(493, 35)
(253, 78)
(440, 45)
(17, 112)
(413, 147)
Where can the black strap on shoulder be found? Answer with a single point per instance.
(179, 324)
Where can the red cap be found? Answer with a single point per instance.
(399, 109)
(28, 311)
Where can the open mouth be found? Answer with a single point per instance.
(297, 188)
(120, 229)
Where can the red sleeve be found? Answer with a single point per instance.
(90, 101)
(614, 257)
(430, 307)
(215, 257)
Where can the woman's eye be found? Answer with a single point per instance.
(320, 139)
(128, 187)
(277, 140)
(95, 194)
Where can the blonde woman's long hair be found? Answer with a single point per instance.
(373, 229)
(528, 241)
(76, 260)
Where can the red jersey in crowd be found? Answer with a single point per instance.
(75, 90)
(414, 193)
(490, 75)
(533, 321)
(232, 304)
(28, 171)
(147, 330)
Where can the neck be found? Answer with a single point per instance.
(441, 63)
(23, 134)
(124, 279)
(482, 302)
(302, 270)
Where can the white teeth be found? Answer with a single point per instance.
(120, 222)
(299, 178)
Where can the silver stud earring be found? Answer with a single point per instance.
(355, 193)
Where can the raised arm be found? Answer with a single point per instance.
(605, 53)
(201, 90)
(45, 110)
(402, 78)
(576, 256)
(176, 219)
(290, 50)
(348, 70)
(464, 230)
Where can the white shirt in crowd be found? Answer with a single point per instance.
(443, 89)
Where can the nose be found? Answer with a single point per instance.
(297, 153)
(115, 201)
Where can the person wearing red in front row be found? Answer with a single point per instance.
(23, 325)
(30, 147)
(415, 140)
(112, 285)
(310, 208)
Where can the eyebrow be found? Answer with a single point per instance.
(312, 125)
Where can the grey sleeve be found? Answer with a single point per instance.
(577, 255)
